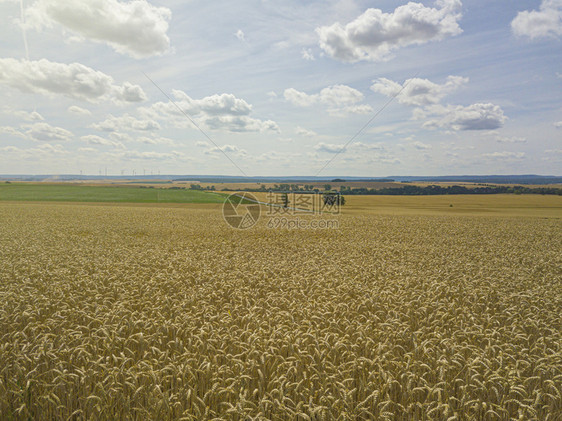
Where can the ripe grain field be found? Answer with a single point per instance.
(164, 313)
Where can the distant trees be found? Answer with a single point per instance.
(405, 189)
(199, 187)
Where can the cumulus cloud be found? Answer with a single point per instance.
(44, 132)
(480, 116)
(98, 140)
(420, 145)
(299, 98)
(558, 124)
(509, 156)
(135, 28)
(368, 146)
(72, 80)
(225, 148)
(418, 91)
(22, 114)
(350, 109)
(340, 99)
(374, 34)
(11, 131)
(126, 123)
(36, 153)
(305, 132)
(512, 139)
(329, 147)
(307, 54)
(543, 23)
(427, 95)
(241, 124)
(217, 112)
(213, 104)
(332, 95)
(151, 155)
(74, 109)
(155, 140)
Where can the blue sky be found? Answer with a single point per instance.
(281, 87)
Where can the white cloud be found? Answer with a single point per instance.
(420, 145)
(135, 28)
(217, 112)
(74, 109)
(457, 117)
(151, 155)
(10, 149)
(228, 149)
(87, 150)
(11, 131)
(558, 124)
(542, 23)
(305, 132)
(120, 137)
(375, 34)
(44, 132)
(22, 114)
(126, 123)
(329, 147)
(216, 104)
(240, 35)
(36, 153)
(418, 91)
(332, 95)
(72, 80)
(299, 98)
(98, 140)
(155, 140)
(130, 93)
(512, 139)
(307, 54)
(241, 124)
(427, 95)
(340, 99)
(350, 109)
(368, 146)
(504, 156)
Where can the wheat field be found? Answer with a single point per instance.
(166, 313)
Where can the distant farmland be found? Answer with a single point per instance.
(103, 193)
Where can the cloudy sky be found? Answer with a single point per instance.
(264, 87)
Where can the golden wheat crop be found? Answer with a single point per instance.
(130, 312)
